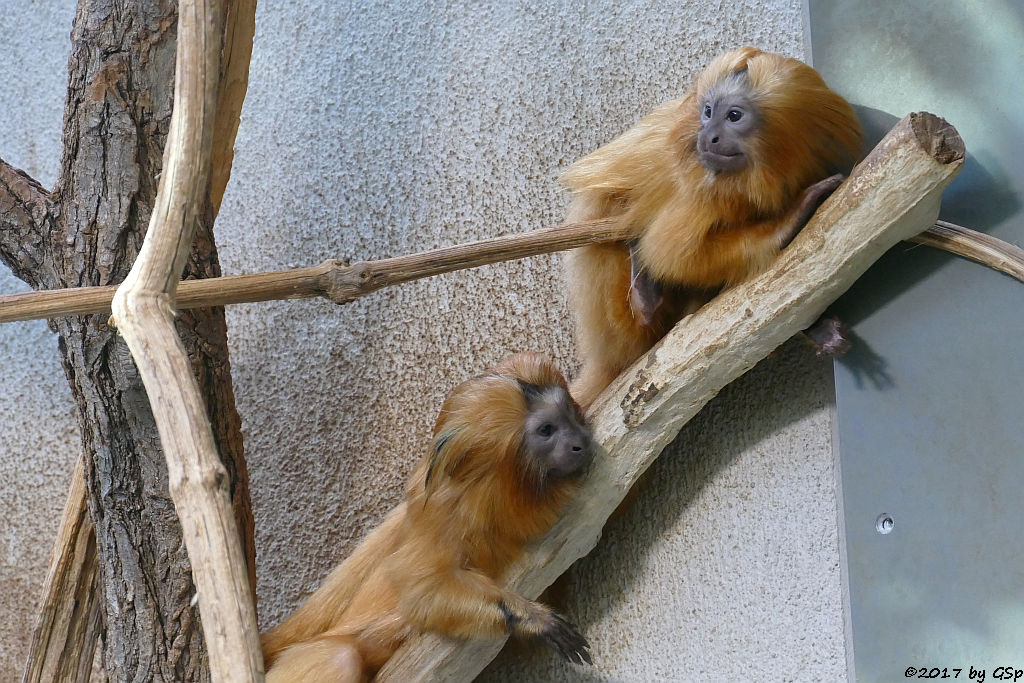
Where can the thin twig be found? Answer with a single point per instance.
(976, 246)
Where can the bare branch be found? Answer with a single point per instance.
(69, 620)
(892, 195)
(234, 81)
(68, 623)
(24, 212)
(976, 246)
(342, 283)
(142, 311)
(333, 279)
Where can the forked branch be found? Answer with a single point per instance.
(67, 628)
(142, 309)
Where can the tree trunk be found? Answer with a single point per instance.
(88, 232)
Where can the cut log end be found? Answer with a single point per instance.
(938, 137)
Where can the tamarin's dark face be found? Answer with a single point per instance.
(555, 438)
(728, 121)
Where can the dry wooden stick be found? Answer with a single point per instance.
(892, 195)
(64, 640)
(68, 625)
(332, 279)
(142, 309)
(975, 246)
(239, 28)
(340, 282)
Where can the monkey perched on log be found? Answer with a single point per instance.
(508, 450)
(712, 186)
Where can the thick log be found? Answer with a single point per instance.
(142, 310)
(894, 194)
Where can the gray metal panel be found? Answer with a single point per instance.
(930, 404)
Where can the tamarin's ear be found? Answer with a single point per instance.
(439, 458)
(531, 391)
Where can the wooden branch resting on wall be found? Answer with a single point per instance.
(142, 309)
(894, 194)
(340, 282)
(975, 246)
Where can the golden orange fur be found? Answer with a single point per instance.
(471, 505)
(697, 231)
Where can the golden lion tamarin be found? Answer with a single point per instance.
(712, 186)
(507, 452)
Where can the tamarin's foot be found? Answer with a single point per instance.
(829, 335)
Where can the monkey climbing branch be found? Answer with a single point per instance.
(894, 194)
(340, 282)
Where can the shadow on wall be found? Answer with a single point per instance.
(744, 414)
(907, 264)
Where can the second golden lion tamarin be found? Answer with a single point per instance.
(711, 186)
(507, 453)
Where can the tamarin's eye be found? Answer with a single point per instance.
(707, 111)
(734, 115)
(546, 429)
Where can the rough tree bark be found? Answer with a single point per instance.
(88, 232)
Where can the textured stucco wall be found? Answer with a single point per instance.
(375, 131)
(38, 430)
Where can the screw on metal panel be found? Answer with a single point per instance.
(884, 523)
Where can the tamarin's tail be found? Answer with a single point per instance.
(325, 606)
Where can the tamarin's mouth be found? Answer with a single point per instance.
(722, 163)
